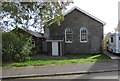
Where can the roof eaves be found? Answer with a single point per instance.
(35, 34)
(32, 32)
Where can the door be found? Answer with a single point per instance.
(54, 48)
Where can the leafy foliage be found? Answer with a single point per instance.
(32, 14)
(16, 47)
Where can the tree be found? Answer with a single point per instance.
(16, 46)
(32, 14)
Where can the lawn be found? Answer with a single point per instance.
(71, 59)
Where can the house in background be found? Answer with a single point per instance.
(79, 33)
(38, 38)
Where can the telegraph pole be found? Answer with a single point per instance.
(118, 27)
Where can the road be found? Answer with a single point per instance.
(106, 75)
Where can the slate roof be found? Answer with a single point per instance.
(36, 34)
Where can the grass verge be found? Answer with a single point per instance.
(76, 59)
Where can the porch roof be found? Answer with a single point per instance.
(59, 38)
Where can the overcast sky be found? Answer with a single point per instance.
(105, 10)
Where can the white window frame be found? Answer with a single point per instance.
(86, 35)
(66, 36)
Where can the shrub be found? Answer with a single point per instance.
(16, 47)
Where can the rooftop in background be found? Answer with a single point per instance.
(36, 34)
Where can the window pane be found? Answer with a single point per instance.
(68, 35)
(83, 35)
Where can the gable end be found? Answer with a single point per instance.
(86, 13)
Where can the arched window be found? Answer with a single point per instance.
(83, 35)
(68, 35)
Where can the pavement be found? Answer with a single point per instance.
(112, 56)
(67, 69)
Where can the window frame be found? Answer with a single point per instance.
(66, 35)
(83, 28)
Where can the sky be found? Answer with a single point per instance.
(105, 10)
